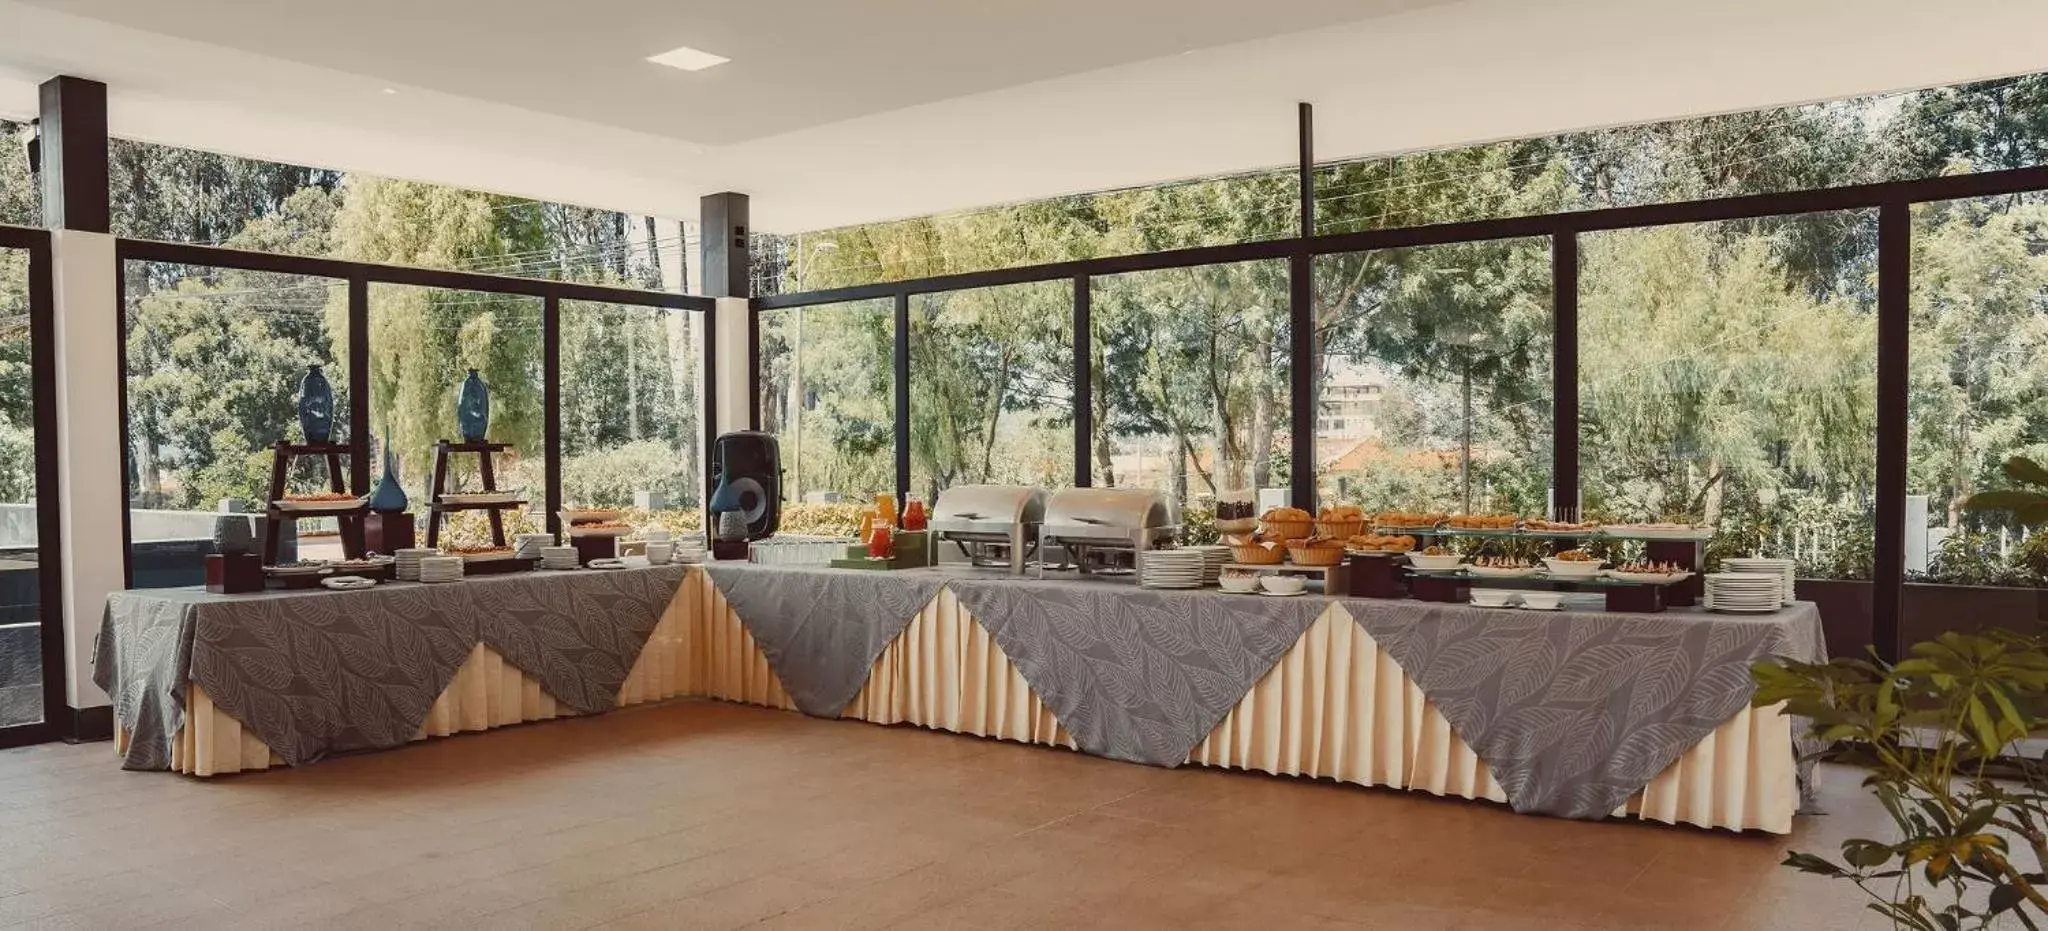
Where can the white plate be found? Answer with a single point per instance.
(1495, 572)
(1481, 604)
(1657, 578)
(318, 507)
(296, 570)
(349, 583)
(599, 531)
(516, 496)
(1282, 594)
(1555, 607)
(607, 564)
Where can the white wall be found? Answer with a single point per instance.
(90, 490)
(734, 365)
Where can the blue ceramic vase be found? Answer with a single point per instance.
(390, 494)
(473, 409)
(316, 406)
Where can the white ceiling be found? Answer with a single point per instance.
(841, 112)
(795, 63)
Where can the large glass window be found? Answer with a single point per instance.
(1436, 378)
(828, 395)
(1191, 383)
(188, 195)
(21, 648)
(1728, 375)
(992, 387)
(632, 411)
(1978, 383)
(215, 357)
(20, 199)
(423, 342)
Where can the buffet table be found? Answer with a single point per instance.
(1580, 714)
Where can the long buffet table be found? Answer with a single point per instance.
(1576, 713)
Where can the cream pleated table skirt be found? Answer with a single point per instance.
(1335, 706)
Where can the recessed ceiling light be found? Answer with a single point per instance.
(688, 59)
(391, 90)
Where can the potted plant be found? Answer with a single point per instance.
(1970, 821)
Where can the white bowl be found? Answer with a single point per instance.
(1435, 563)
(659, 553)
(1283, 584)
(1491, 597)
(1542, 601)
(1238, 586)
(1572, 567)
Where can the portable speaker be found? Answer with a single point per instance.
(746, 476)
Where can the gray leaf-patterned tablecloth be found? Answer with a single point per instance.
(822, 629)
(317, 672)
(1575, 711)
(1136, 674)
(576, 633)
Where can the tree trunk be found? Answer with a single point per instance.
(653, 256)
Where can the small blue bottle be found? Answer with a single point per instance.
(316, 406)
(473, 409)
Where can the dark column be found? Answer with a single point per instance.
(1894, 330)
(72, 134)
(1301, 320)
(902, 398)
(722, 219)
(551, 407)
(1084, 386)
(1564, 371)
(359, 430)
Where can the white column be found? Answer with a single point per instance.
(91, 490)
(735, 365)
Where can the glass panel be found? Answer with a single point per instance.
(1436, 378)
(423, 342)
(1728, 375)
(992, 387)
(633, 412)
(21, 202)
(188, 195)
(215, 357)
(1980, 333)
(1191, 386)
(21, 647)
(1215, 211)
(828, 395)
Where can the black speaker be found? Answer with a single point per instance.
(746, 476)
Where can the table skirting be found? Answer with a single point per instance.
(1334, 706)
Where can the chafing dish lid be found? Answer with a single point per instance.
(1110, 513)
(970, 508)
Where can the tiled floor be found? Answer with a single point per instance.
(704, 815)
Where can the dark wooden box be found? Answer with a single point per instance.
(234, 574)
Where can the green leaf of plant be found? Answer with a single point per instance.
(1810, 863)
(2005, 898)
(2008, 499)
(1866, 853)
(2026, 471)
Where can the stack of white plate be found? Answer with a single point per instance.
(441, 569)
(1173, 569)
(528, 545)
(1744, 592)
(558, 557)
(1784, 569)
(1213, 560)
(409, 562)
(689, 549)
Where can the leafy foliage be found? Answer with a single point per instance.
(1930, 730)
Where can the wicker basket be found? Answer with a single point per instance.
(1339, 529)
(1314, 556)
(1290, 529)
(1258, 554)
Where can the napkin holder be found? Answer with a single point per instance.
(388, 531)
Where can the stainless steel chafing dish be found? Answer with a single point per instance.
(1106, 520)
(992, 525)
